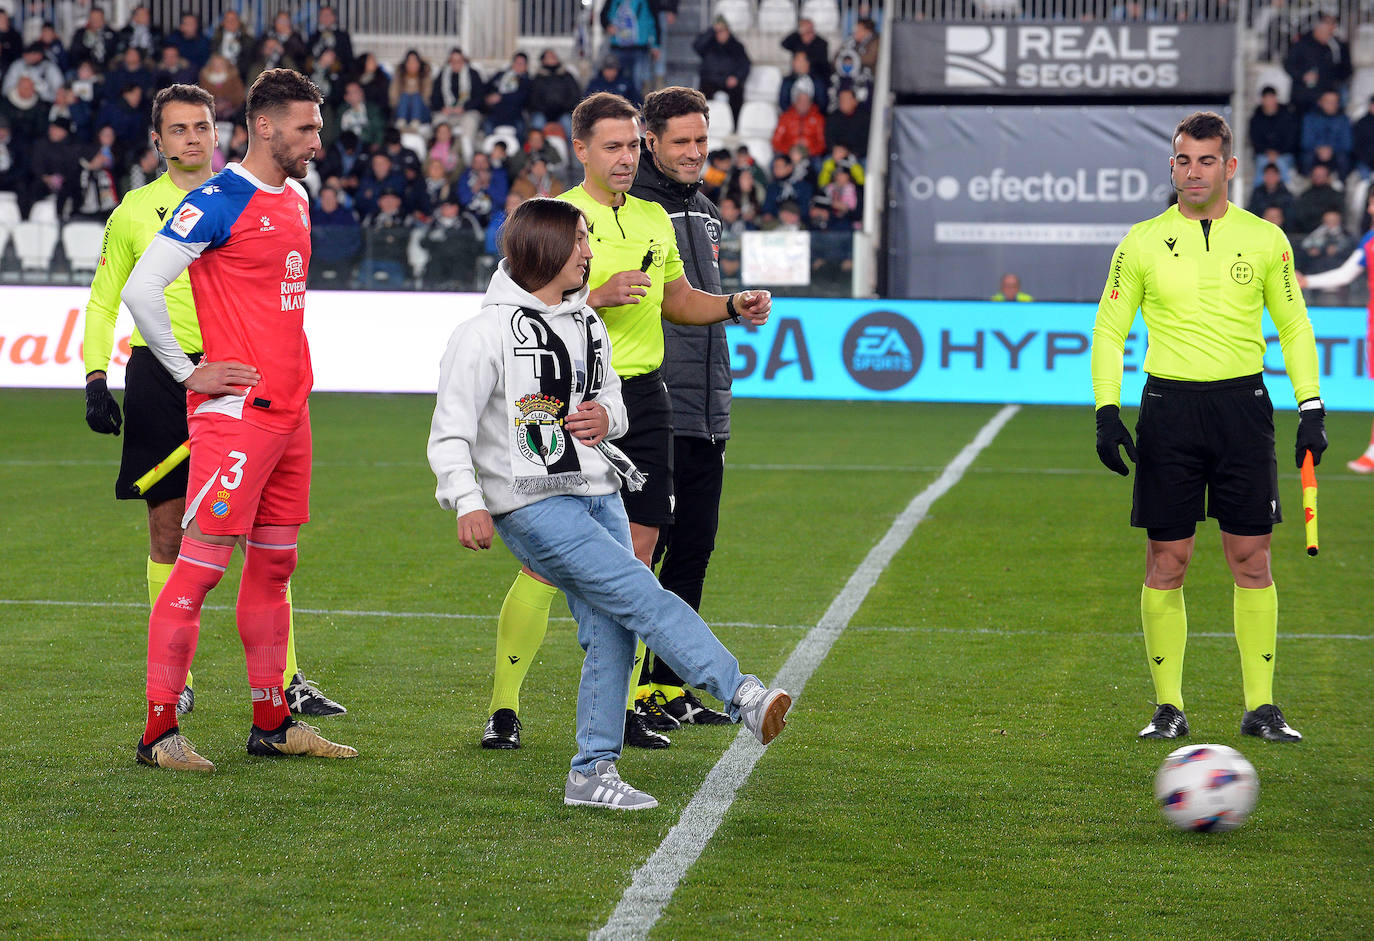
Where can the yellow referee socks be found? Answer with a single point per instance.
(519, 632)
(158, 573)
(1257, 630)
(292, 668)
(640, 653)
(1165, 620)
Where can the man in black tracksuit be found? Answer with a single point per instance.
(696, 368)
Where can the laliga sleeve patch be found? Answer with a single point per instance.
(185, 220)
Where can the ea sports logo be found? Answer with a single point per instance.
(975, 56)
(883, 351)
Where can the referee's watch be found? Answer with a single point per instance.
(1311, 431)
(1308, 404)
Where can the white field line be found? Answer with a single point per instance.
(655, 882)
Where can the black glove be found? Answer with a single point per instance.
(102, 411)
(1111, 434)
(1311, 431)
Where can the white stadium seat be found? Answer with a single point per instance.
(777, 16)
(761, 149)
(758, 119)
(34, 243)
(81, 244)
(738, 13)
(722, 118)
(825, 15)
(1361, 88)
(1271, 74)
(763, 83)
(45, 210)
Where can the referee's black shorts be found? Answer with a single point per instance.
(154, 424)
(1212, 440)
(649, 443)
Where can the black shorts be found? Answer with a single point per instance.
(649, 443)
(1205, 439)
(154, 424)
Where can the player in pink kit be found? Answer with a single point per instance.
(245, 234)
(1360, 260)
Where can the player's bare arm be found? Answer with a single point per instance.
(683, 303)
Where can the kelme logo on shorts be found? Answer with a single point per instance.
(883, 350)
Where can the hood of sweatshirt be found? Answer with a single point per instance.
(504, 291)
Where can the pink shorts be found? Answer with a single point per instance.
(243, 475)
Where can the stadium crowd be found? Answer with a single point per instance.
(423, 160)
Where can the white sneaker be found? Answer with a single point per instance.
(604, 789)
(762, 710)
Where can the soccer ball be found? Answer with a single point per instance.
(1206, 787)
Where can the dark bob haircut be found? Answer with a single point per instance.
(537, 239)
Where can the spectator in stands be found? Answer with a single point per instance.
(1367, 217)
(716, 175)
(130, 69)
(436, 185)
(554, 92)
(453, 242)
(410, 91)
(1010, 290)
(856, 61)
(401, 156)
(26, 112)
(328, 35)
(843, 195)
(1326, 136)
(801, 78)
(53, 50)
(74, 110)
(56, 165)
(14, 171)
(841, 159)
(375, 82)
(482, 189)
(89, 86)
(1315, 201)
(44, 77)
(128, 116)
(343, 164)
(724, 64)
(786, 187)
(1326, 246)
(97, 194)
(145, 167)
(789, 217)
(848, 124)
(536, 146)
(507, 93)
(139, 33)
(335, 238)
(1270, 191)
(1362, 142)
(444, 148)
(221, 79)
(292, 42)
(386, 237)
(329, 77)
(610, 79)
(191, 42)
(750, 195)
(173, 69)
(1274, 131)
(271, 55)
(632, 33)
(11, 42)
(381, 175)
(234, 42)
(361, 117)
(800, 123)
(95, 42)
(492, 240)
(1318, 62)
(541, 178)
(805, 39)
(458, 97)
(237, 148)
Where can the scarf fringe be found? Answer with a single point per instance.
(530, 485)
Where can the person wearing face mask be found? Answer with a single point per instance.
(554, 92)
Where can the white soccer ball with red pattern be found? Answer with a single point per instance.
(1207, 788)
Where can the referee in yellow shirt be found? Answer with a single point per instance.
(1202, 273)
(154, 419)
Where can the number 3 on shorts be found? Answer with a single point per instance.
(239, 459)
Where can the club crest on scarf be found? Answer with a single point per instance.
(540, 434)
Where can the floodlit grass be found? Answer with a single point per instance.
(964, 763)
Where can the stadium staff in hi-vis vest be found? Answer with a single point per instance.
(154, 417)
(249, 415)
(636, 282)
(1202, 272)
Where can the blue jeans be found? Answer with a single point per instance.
(582, 545)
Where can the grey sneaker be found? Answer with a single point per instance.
(604, 789)
(762, 710)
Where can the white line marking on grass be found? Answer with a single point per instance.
(655, 882)
(748, 625)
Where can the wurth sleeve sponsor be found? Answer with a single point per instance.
(1289, 313)
(1116, 312)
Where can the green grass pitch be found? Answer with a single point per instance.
(962, 765)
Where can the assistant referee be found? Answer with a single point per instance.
(1202, 273)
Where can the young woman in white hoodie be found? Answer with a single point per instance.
(527, 400)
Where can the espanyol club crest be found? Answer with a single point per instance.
(539, 432)
(305, 216)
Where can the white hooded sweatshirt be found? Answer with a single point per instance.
(471, 435)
